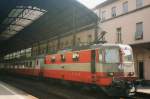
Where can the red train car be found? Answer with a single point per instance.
(108, 66)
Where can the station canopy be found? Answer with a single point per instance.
(24, 22)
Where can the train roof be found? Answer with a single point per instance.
(91, 47)
(107, 45)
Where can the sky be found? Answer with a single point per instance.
(91, 3)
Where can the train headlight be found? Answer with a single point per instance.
(120, 67)
(111, 74)
(131, 74)
(132, 89)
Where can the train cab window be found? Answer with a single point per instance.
(75, 56)
(63, 58)
(53, 59)
(111, 55)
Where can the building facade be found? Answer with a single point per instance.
(127, 22)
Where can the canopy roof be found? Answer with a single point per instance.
(24, 22)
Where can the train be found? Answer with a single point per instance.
(107, 66)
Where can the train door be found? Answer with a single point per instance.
(36, 67)
(93, 57)
(41, 70)
(141, 69)
(37, 63)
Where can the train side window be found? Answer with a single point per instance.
(63, 58)
(53, 59)
(37, 62)
(23, 63)
(111, 55)
(26, 64)
(75, 56)
(30, 63)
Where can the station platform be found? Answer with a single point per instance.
(10, 92)
(144, 90)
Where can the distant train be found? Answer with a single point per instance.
(108, 66)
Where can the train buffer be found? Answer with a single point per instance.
(9, 92)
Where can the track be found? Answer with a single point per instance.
(47, 90)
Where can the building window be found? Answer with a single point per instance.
(139, 31)
(49, 46)
(119, 35)
(54, 47)
(103, 15)
(113, 11)
(71, 43)
(62, 45)
(139, 3)
(78, 40)
(67, 43)
(89, 38)
(125, 7)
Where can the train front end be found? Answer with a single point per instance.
(117, 65)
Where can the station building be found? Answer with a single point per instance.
(34, 29)
(124, 21)
(127, 22)
(80, 38)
